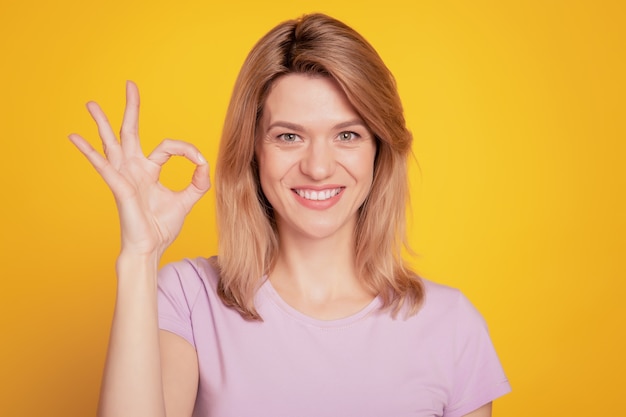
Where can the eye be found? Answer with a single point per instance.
(347, 136)
(288, 137)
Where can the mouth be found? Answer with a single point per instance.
(318, 195)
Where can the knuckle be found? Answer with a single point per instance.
(127, 131)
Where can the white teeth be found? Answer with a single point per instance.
(318, 195)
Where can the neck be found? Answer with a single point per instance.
(318, 276)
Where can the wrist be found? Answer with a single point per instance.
(127, 256)
(133, 264)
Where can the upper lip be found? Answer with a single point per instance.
(317, 187)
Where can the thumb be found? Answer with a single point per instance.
(200, 183)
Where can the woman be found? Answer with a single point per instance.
(308, 308)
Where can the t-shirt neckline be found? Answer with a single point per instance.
(297, 315)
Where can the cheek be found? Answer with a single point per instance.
(267, 168)
(271, 174)
(264, 162)
(276, 165)
(265, 180)
(361, 164)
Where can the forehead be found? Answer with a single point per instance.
(307, 99)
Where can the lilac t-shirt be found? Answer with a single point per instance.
(440, 362)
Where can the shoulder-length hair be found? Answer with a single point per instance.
(248, 241)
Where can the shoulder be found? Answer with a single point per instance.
(442, 299)
(188, 278)
(185, 294)
(197, 267)
(464, 346)
(435, 292)
(447, 313)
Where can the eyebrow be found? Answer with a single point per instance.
(300, 128)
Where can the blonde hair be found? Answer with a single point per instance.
(248, 240)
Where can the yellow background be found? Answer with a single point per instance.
(517, 108)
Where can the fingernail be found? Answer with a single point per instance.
(201, 158)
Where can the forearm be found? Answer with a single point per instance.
(151, 217)
(132, 382)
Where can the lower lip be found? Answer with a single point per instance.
(318, 204)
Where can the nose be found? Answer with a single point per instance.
(318, 161)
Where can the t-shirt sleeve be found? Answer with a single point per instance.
(175, 297)
(478, 377)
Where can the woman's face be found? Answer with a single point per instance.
(315, 155)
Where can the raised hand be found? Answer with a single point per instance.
(151, 215)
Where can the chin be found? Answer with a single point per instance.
(324, 230)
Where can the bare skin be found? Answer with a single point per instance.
(315, 141)
(143, 363)
(150, 372)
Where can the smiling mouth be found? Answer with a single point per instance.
(320, 195)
